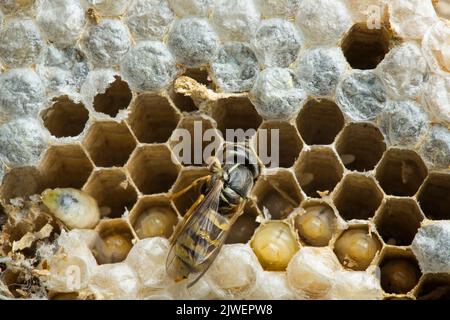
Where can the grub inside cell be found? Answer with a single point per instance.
(65, 166)
(245, 226)
(398, 221)
(358, 197)
(434, 196)
(316, 224)
(113, 192)
(401, 172)
(277, 195)
(115, 241)
(109, 144)
(116, 97)
(399, 275)
(154, 216)
(360, 146)
(20, 182)
(319, 122)
(318, 170)
(237, 114)
(153, 118)
(365, 48)
(278, 139)
(65, 118)
(152, 169)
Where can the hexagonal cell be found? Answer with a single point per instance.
(65, 118)
(245, 226)
(319, 121)
(109, 143)
(20, 182)
(153, 216)
(190, 139)
(238, 114)
(186, 177)
(401, 172)
(315, 223)
(277, 194)
(153, 169)
(116, 97)
(360, 146)
(200, 75)
(356, 248)
(182, 102)
(112, 190)
(115, 241)
(318, 170)
(277, 139)
(357, 197)
(65, 166)
(398, 221)
(152, 118)
(434, 196)
(400, 271)
(365, 48)
(434, 286)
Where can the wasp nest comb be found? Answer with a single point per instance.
(94, 94)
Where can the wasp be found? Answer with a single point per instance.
(197, 240)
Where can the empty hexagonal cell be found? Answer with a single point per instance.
(318, 170)
(434, 196)
(357, 197)
(187, 176)
(153, 216)
(195, 140)
(365, 48)
(315, 223)
(153, 118)
(320, 121)
(237, 114)
(65, 166)
(245, 226)
(20, 182)
(277, 144)
(360, 146)
(65, 118)
(356, 248)
(112, 190)
(400, 271)
(153, 169)
(183, 102)
(115, 241)
(398, 221)
(277, 194)
(401, 172)
(116, 97)
(109, 143)
(434, 286)
(200, 75)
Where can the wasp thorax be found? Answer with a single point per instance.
(399, 276)
(316, 225)
(274, 244)
(356, 249)
(114, 243)
(156, 222)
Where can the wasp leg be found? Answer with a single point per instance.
(189, 187)
(186, 218)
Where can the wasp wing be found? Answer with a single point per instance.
(188, 247)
